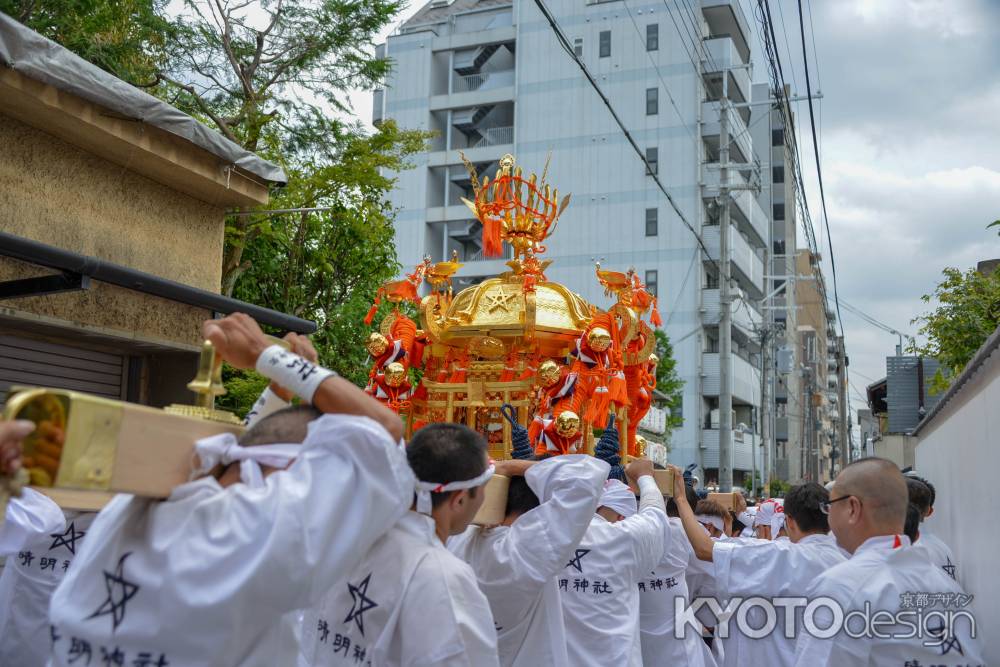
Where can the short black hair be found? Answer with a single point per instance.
(921, 494)
(443, 453)
(286, 426)
(520, 497)
(913, 517)
(802, 503)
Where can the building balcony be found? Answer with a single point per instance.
(741, 145)
(746, 211)
(743, 448)
(473, 98)
(726, 18)
(747, 319)
(482, 81)
(749, 267)
(746, 379)
(721, 54)
(781, 428)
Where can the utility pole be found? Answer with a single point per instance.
(845, 423)
(725, 302)
(766, 336)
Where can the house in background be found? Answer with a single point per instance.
(112, 208)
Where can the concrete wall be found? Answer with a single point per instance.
(53, 192)
(897, 448)
(957, 451)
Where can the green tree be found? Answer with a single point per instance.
(668, 381)
(127, 38)
(968, 312)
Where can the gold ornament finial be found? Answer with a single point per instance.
(568, 424)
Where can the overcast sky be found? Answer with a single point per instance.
(910, 149)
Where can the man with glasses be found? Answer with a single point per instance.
(866, 511)
(767, 569)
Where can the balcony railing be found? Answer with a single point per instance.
(477, 256)
(496, 136)
(483, 81)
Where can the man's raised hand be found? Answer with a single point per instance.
(237, 339)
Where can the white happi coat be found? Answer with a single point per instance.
(408, 602)
(517, 565)
(769, 569)
(657, 593)
(938, 553)
(890, 578)
(213, 576)
(39, 541)
(599, 586)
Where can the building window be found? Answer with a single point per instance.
(711, 281)
(652, 157)
(652, 221)
(651, 281)
(652, 101)
(778, 136)
(779, 248)
(605, 44)
(779, 211)
(578, 46)
(653, 37)
(778, 174)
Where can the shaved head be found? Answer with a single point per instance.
(881, 488)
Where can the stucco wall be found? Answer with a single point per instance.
(53, 192)
(957, 451)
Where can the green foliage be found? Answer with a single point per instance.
(778, 488)
(995, 223)
(242, 389)
(968, 312)
(125, 37)
(668, 381)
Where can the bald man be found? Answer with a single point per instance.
(867, 510)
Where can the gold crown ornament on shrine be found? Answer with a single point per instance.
(521, 211)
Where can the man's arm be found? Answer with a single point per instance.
(541, 541)
(700, 540)
(239, 340)
(32, 514)
(648, 528)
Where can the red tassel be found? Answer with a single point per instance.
(618, 388)
(597, 411)
(654, 317)
(492, 242)
(370, 317)
(417, 357)
(535, 429)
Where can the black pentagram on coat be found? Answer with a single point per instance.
(949, 568)
(575, 562)
(361, 604)
(947, 643)
(67, 539)
(120, 591)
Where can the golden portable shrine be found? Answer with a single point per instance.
(517, 339)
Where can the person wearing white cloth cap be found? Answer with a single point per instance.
(410, 601)
(599, 584)
(867, 509)
(768, 569)
(549, 507)
(660, 591)
(215, 574)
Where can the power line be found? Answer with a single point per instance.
(565, 44)
(819, 170)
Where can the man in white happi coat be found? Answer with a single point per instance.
(922, 494)
(867, 508)
(38, 546)
(768, 569)
(215, 574)
(549, 506)
(599, 585)
(410, 601)
(661, 592)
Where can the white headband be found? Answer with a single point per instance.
(425, 489)
(223, 449)
(618, 497)
(711, 520)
